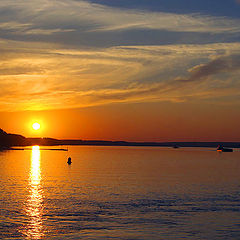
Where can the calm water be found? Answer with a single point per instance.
(120, 193)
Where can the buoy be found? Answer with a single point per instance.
(69, 160)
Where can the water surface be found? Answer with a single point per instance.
(120, 193)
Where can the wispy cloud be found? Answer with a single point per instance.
(54, 77)
(46, 31)
(14, 26)
(168, 22)
(29, 29)
(219, 65)
(44, 63)
(45, 17)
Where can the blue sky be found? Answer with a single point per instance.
(230, 8)
(119, 22)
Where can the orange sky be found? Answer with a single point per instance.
(134, 71)
(132, 122)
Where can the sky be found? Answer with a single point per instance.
(139, 70)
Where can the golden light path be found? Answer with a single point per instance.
(34, 206)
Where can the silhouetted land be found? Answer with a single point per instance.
(14, 140)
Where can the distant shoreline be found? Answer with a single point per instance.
(56, 142)
(13, 140)
(69, 142)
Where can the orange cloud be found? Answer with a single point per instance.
(44, 76)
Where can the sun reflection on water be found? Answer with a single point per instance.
(34, 205)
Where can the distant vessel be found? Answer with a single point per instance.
(222, 149)
(175, 146)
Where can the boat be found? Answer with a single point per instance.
(222, 149)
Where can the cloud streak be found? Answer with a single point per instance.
(54, 77)
(45, 55)
(219, 65)
(45, 17)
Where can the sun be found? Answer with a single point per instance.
(36, 126)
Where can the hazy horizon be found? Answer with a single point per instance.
(129, 123)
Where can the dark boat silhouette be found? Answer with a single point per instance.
(175, 146)
(222, 149)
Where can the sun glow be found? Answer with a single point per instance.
(36, 126)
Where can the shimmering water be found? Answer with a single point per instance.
(120, 193)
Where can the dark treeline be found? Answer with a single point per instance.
(8, 140)
(14, 140)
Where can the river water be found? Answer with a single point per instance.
(119, 193)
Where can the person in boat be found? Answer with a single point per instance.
(222, 149)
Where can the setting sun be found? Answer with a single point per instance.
(36, 126)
